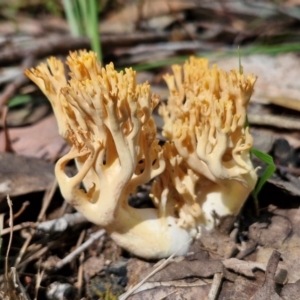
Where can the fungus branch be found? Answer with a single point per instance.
(205, 118)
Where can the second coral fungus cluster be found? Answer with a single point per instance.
(203, 171)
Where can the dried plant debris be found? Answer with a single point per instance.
(110, 283)
(14, 289)
(282, 234)
(268, 291)
(22, 174)
(186, 269)
(257, 257)
(272, 269)
(48, 146)
(291, 291)
(242, 267)
(271, 84)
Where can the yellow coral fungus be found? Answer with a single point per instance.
(106, 118)
(205, 118)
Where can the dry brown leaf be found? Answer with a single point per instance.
(149, 9)
(244, 267)
(282, 236)
(177, 269)
(39, 140)
(277, 75)
(291, 291)
(125, 19)
(219, 244)
(21, 175)
(187, 269)
(135, 268)
(173, 290)
(268, 290)
(93, 265)
(242, 288)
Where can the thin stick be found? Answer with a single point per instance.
(160, 267)
(95, 236)
(46, 201)
(7, 142)
(275, 121)
(17, 227)
(36, 255)
(80, 239)
(62, 209)
(21, 210)
(80, 275)
(39, 278)
(80, 269)
(10, 239)
(215, 287)
(2, 223)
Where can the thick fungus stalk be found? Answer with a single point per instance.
(106, 118)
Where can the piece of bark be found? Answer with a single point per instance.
(187, 269)
(22, 175)
(267, 291)
(291, 291)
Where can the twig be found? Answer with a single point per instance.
(21, 210)
(2, 223)
(39, 278)
(80, 269)
(46, 201)
(55, 225)
(18, 227)
(160, 267)
(7, 143)
(61, 224)
(65, 43)
(95, 236)
(268, 290)
(10, 239)
(165, 297)
(80, 275)
(271, 270)
(275, 121)
(215, 287)
(289, 103)
(36, 255)
(81, 238)
(165, 46)
(62, 209)
(16, 286)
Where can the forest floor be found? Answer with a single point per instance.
(51, 252)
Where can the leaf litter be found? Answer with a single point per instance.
(255, 257)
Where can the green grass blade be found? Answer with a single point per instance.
(92, 27)
(241, 70)
(72, 14)
(19, 100)
(82, 17)
(271, 168)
